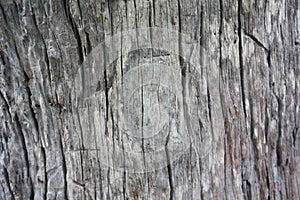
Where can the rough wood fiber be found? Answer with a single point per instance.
(247, 97)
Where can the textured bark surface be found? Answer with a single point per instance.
(247, 99)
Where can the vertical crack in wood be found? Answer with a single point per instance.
(25, 152)
(7, 180)
(44, 44)
(4, 16)
(169, 167)
(81, 142)
(64, 166)
(88, 43)
(279, 145)
(240, 4)
(222, 99)
(121, 137)
(74, 29)
(266, 101)
(142, 114)
(79, 8)
(43, 152)
(248, 190)
(99, 166)
(34, 117)
(111, 19)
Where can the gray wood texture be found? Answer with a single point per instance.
(241, 108)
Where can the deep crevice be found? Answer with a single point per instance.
(79, 8)
(241, 56)
(6, 177)
(153, 5)
(44, 44)
(88, 43)
(74, 29)
(209, 108)
(46, 174)
(278, 144)
(294, 134)
(3, 13)
(248, 190)
(181, 61)
(24, 147)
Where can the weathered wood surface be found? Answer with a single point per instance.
(245, 99)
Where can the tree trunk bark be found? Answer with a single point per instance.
(230, 100)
